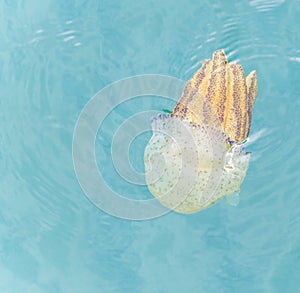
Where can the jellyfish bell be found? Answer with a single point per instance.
(189, 167)
(196, 154)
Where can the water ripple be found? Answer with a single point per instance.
(55, 55)
(266, 5)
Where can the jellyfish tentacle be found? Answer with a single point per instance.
(251, 82)
(191, 100)
(216, 92)
(237, 107)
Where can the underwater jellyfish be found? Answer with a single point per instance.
(196, 154)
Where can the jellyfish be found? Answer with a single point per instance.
(197, 155)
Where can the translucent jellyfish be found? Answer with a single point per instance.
(196, 154)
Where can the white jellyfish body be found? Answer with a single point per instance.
(188, 168)
(196, 154)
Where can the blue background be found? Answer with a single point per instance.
(54, 56)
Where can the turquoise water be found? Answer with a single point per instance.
(56, 55)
